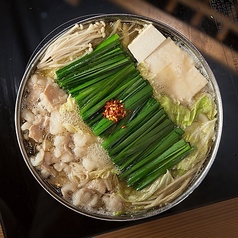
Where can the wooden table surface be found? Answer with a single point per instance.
(215, 220)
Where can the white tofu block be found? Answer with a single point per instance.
(145, 43)
(173, 69)
(180, 85)
(167, 53)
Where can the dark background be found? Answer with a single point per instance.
(26, 210)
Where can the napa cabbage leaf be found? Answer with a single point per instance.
(203, 109)
(200, 134)
(129, 194)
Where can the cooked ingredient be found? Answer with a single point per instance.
(78, 39)
(199, 133)
(68, 153)
(146, 43)
(180, 88)
(171, 69)
(160, 165)
(203, 109)
(149, 121)
(114, 110)
(116, 133)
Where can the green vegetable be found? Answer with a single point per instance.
(148, 173)
(142, 142)
(164, 144)
(138, 135)
(132, 104)
(129, 194)
(132, 156)
(162, 168)
(184, 116)
(116, 138)
(200, 134)
(110, 90)
(100, 51)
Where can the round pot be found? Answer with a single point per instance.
(201, 64)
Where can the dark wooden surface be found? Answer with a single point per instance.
(211, 221)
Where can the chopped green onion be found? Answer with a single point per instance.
(170, 153)
(144, 143)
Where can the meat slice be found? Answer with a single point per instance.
(36, 86)
(52, 97)
(37, 130)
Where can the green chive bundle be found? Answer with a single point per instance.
(145, 143)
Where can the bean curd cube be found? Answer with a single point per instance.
(167, 53)
(146, 42)
(180, 87)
